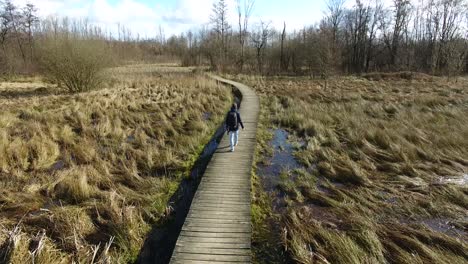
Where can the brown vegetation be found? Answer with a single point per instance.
(84, 176)
(74, 62)
(380, 163)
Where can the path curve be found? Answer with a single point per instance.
(218, 226)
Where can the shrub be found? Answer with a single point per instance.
(75, 63)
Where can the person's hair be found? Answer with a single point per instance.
(234, 106)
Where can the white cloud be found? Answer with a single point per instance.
(386, 3)
(54, 7)
(144, 19)
(123, 11)
(139, 18)
(190, 12)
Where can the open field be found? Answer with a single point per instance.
(83, 177)
(381, 175)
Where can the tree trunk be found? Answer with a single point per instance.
(283, 66)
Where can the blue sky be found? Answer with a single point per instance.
(175, 16)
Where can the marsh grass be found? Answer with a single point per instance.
(373, 154)
(94, 171)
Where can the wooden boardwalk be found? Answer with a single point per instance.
(217, 228)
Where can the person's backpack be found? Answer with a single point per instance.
(232, 120)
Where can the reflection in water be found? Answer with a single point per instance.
(446, 226)
(281, 161)
(463, 180)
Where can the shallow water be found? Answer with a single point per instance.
(206, 116)
(282, 160)
(461, 180)
(446, 226)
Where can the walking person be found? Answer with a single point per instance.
(233, 120)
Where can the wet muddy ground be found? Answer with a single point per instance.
(281, 162)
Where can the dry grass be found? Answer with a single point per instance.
(93, 171)
(379, 154)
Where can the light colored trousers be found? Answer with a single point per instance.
(234, 136)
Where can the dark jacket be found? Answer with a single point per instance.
(239, 122)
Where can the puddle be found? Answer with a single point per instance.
(161, 240)
(323, 215)
(462, 180)
(387, 197)
(131, 139)
(282, 160)
(206, 116)
(446, 226)
(58, 165)
(450, 227)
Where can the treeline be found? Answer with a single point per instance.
(428, 36)
(29, 44)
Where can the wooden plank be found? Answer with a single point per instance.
(220, 203)
(226, 229)
(214, 245)
(214, 207)
(187, 261)
(239, 193)
(242, 192)
(225, 201)
(229, 240)
(207, 257)
(230, 208)
(215, 251)
(230, 197)
(222, 186)
(217, 189)
(218, 216)
(223, 228)
(220, 196)
(227, 182)
(217, 225)
(188, 233)
(217, 222)
(223, 197)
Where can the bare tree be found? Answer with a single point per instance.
(356, 36)
(335, 15)
(221, 27)
(30, 20)
(283, 63)
(259, 39)
(401, 20)
(244, 10)
(161, 36)
(375, 17)
(12, 14)
(452, 15)
(5, 25)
